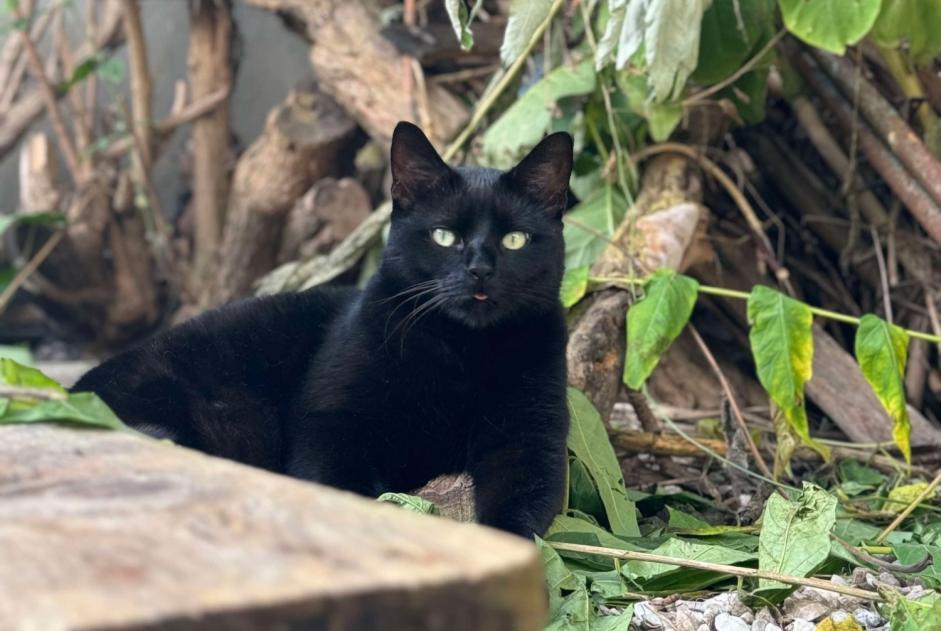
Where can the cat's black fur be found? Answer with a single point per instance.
(383, 389)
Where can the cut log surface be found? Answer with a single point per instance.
(104, 530)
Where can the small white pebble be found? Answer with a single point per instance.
(728, 622)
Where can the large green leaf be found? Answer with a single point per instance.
(84, 408)
(916, 23)
(882, 350)
(461, 19)
(525, 122)
(576, 530)
(654, 321)
(732, 31)
(570, 605)
(588, 440)
(830, 24)
(795, 534)
(525, 18)
(781, 340)
(643, 571)
(591, 224)
(583, 494)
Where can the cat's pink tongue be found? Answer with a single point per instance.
(480, 296)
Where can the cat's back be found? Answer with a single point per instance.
(251, 343)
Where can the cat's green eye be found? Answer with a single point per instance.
(515, 240)
(443, 237)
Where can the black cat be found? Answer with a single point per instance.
(452, 359)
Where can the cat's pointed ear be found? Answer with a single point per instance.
(417, 169)
(544, 174)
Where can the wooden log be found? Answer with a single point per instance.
(363, 71)
(301, 143)
(104, 530)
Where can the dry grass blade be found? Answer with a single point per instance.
(733, 570)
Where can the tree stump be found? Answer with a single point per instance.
(105, 530)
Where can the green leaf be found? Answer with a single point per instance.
(411, 503)
(749, 94)
(662, 118)
(795, 534)
(654, 321)
(882, 350)
(916, 23)
(525, 18)
(112, 70)
(8, 221)
(583, 494)
(576, 530)
(732, 31)
(781, 340)
(19, 353)
(574, 285)
(16, 374)
(683, 549)
(588, 440)
(830, 24)
(608, 44)
(590, 225)
(910, 553)
(525, 122)
(570, 605)
(461, 19)
(923, 614)
(857, 478)
(83, 408)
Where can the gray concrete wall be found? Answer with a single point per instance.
(273, 60)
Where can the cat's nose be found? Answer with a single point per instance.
(480, 270)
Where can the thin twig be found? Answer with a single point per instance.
(883, 274)
(52, 105)
(734, 570)
(730, 396)
(928, 490)
(37, 394)
(492, 95)
(751, 218)
(7, 294)
(747, 66)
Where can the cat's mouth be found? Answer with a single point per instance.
(480, 296)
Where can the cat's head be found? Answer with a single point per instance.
(479, 245)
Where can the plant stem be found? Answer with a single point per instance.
(743, 295)
(487, 102)
(734, 570)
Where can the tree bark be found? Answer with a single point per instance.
(210, 70)
(301, 143)
(362, 70)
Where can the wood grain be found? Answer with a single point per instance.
(104, 530)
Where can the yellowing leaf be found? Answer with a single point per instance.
(882, 350)
(782, 344)
(902, 496)
(654, 321)
(574, 285)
